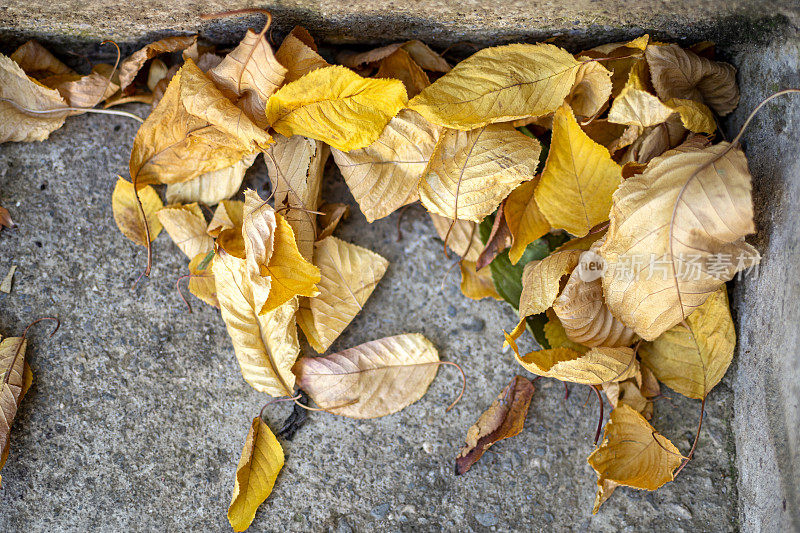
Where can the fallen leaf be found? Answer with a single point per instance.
(693, 360)
(84, 91)
(249, 75)
(477, 284)
(337, 106)
(503, 419)
(17, 91)
(333, 214)
(419, 52)
(400, 66)
(471, 172)
(591, 90)
(604, 490)
(635, 106)
(38, 62)
(371, 380)
(385, 175)
(133, 63)
(483, 90)
(201, 281)
(5, 286)
(557, 336)
(5, 219)
(228, 215)
(541, 281)
(499, 239)
(655, 141)
(463, 238)
(187, 227)
(579, 177)
(679, 73)
(12, 368)
(298, 54)
(349, 275)
(266, 346)
(158, 71)
(296, 165)
(619, 58)
(261, 461)
(695, 116)
(633, 453)
(628, 392)
(525, 222)
(127, 214)
(676, 235)
(212, 187)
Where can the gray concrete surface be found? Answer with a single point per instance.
(138, 411)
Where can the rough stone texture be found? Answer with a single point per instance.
(138, 411)
(767, 376)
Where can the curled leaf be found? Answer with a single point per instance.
(541, 281)
(477, 284)
(298, 54)
(128, 216)
(400, 66)
(133, 63)
(212, 187)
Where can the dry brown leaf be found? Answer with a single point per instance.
(84, 91)
(693, 360)
(633, 453)
(385, 175)
(679, 73)
(333, 214)
(298, 54)
(503, 419)
(133, 63)
(623, 58)
(12, 368)
(349, 275)
(212, 187)
(655, 141)
(525, 222)
(399, 65)
(471, 172)
(296, 165)
(541, 281)
(17, 91)
(128, 216)
(676, 235)
(266, 346)
(579, 177)
(463, 238)
(477, 284)
(419, 52)
(5, 219)
(187, 227)
(38, 62)
(482, 89)
(249, 75)
(499, 239)
(371, 380)
(261, 461)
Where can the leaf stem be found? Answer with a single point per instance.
(81, 109)
(696, 437)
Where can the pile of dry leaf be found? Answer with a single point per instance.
(584, 189)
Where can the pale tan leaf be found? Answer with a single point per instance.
(249, 75)
(679, 73)
(676, 235)
(633, 453)
(299, 55)
(482, 89)
(503, 419)
(38, 62)
(84, 91)
(579, 177)
(463, 238)
(385, 175)
(692, 361)
(212, 187)
(261, 461)
(128, 216)
(17, 125)
(471, 172)
(541, 281)
(12, 388)
(349, 275)
(477, 284)
(371, 380)
(525, 222)
(591, 90)
(296, 165)
(655, 141)
(228, 215)
(133, 63)
(187, 227)
(419, 52)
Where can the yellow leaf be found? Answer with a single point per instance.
(229, 215)
(298, 54)
(676, 235)
(385, 175)
(12, 368)
(591, 90)
(249, 75)
(471, 172)
(296, 165)
(695, 116)
(337, 106)
(582, 311)
(173, 145)
(201, 282)
(187, 227)
(400, 66)
(679, 73)
(574, 192)
(541, 281)
(261, 461)
(17, 125)
(477, 284)
(371, 380)
(212, 187)
(556, 335)
(127, 214)
(692, 361)
(623, 58)
(462, 236)
(349, 274)
(524, 219)
(633, 453)
(132, 64)
(483, 89)
(635, 105)
(266, 346)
